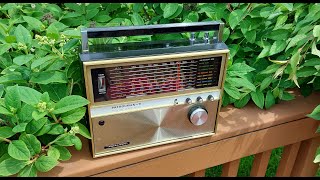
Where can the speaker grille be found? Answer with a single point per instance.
(154, 78)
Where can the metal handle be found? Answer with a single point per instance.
(102, 32)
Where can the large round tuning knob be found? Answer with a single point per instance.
(198, 115)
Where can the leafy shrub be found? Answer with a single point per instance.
(273, 47)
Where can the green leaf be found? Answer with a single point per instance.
(233, 49)
(265, 83)
(294, 62)
(91, 13)
(25, 114)
(279, 34)
(265, 51)
(170, 9)
(281, 19)
(83, 130)
(38, 62)
(226, 33)
(29, 95)
(287, 96)
(102, 18)
(19, 128)
(69, 103)
(178, 12)
(64, 140)
(73, 116)
(4, 48)
(241, 82)
(64, 153)
(276, 92)
(52, 32)
(35, 125)
(45, 163)
(314, 49)
(59, 26)
(47, 77)
(77, 142)
(6, 132)
(258, 98)
(28, 171)
(137, 7)
(32, 143)
(11, 78)
(289, 6)
(11, 166)
(56, 91)
(193, 16)
(1, 90)
(232, 91)
(33, 22)
(315, 114)
(137, 19)
(312, 62)
(316, 31)
(46, 128)
(12, 98)
(23, 59)
(56, 129)
(235, 18)
(10, 39)
(5, 111)
(22, 35)
(72, 33)
(238, 69)
(250, 36)
(306, 71)
(73, 6)
(277, 47)
(293, 42)
(19, 150)
(270, 100)
(38, 115)
(70, 45)
(54, 152)
(242, 101)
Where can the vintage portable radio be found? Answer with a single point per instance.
(145, 94)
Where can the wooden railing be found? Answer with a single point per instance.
(241, 132)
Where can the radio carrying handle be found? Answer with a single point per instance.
(117, 31)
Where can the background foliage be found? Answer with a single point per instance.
(273, 48)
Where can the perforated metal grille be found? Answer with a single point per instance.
(154, 78)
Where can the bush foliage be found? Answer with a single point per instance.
(273, 47)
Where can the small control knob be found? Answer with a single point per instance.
(210, 98)
(199, 99)
(188, 100)
(198, 115)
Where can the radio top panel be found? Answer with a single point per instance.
(104, 51)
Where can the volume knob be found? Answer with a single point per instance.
(198, 115)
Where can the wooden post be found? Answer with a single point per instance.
(260, 164)
(288, 158)
(304, 165)
(230, 169)
(200, 173)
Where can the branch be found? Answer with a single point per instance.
(5, 139)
